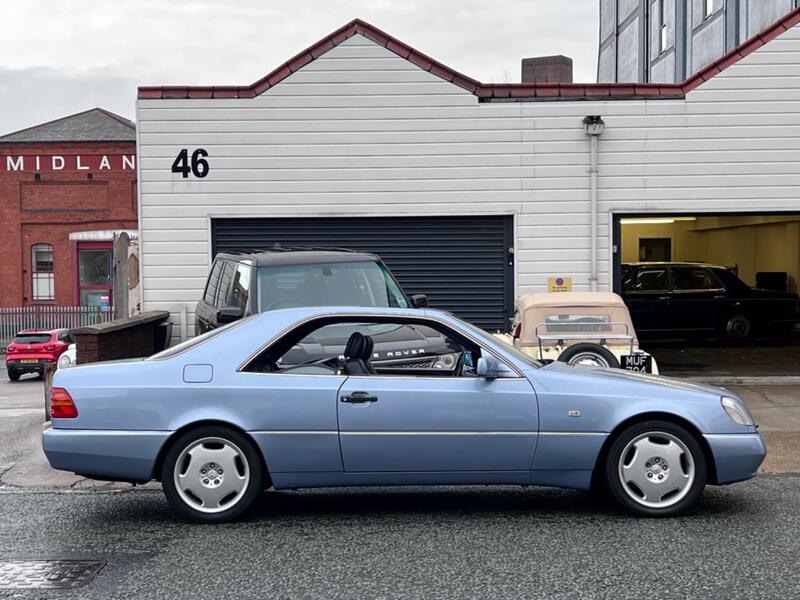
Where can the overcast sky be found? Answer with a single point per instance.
(59, 57)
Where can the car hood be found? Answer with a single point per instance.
(611, 375)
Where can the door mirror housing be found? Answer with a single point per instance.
(487, 367)
(228, 314)
(419, 301)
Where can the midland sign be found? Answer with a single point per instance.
(76, 162)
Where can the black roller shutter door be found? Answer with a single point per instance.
(463, 264)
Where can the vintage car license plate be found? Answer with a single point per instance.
(643, 363)
(29, 361)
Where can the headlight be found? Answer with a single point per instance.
(446, 361)
(64, 361)
(737, 411)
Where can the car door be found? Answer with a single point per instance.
(698, 298)
(412, 423)
(646, 291)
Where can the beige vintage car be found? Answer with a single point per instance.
(578, 328)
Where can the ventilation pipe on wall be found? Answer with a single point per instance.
(594, 126)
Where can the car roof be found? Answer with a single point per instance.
(557, 299)
(42, 331)
(685, 263)
(312, 312)
(291, 256)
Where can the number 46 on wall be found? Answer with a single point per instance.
(198, 166)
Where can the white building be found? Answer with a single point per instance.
(492, 181)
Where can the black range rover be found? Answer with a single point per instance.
(703, 299)
(242, 284)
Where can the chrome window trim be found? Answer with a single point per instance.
(433, 319)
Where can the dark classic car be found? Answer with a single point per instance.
(703, 299)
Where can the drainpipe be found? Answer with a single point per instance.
(593, 125)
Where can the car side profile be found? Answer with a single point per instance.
(703, 299)
(222, 417)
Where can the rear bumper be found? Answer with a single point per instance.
(18, 367)
(736, 456)
(104, 454)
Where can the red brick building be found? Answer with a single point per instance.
(65, 188)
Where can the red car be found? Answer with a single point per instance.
(32, 349)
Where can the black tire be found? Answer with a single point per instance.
(738, 328)
(251, 493)
(601, 352)
(14, 376)
(617, 488)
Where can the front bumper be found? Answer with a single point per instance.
(104, 454)
(736, 456)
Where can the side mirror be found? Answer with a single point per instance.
(228, 314)
(487, 367)
(419, 301)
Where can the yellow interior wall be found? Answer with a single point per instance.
(753, 244)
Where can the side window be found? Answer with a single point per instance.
(646, 280)
(213, 281)
(240, 288)
(693, 279)
(398, 348)
(225, 283)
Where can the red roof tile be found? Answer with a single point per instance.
(482, 90)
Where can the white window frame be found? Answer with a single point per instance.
(43, 282)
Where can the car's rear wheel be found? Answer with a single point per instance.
(13, 375)
(739, 328)
(656, 468)
(589, 355)
(212, 474)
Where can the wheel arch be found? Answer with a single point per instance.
(711, 466)
(159, 462)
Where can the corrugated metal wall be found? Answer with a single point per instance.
(463, 264)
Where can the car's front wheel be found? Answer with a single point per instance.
(739, 328)
(656, 468)
(212, 474)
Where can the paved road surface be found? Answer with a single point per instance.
(412, 543)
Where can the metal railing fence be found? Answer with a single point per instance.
(45, 316)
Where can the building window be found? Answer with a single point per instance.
(708, 8)
(662, 25)
(42, 273)
(94, 274)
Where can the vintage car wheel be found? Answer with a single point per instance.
(589, 355)
(212, 474)
(739, 328)
(656, 468)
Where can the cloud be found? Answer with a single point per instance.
(38, 94)
(85, 52)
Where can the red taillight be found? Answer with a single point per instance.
(11, 348)
(62, 405)
(49, 348)
(517, 331)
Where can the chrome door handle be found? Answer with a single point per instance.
(359, 398)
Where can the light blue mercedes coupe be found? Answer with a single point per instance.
(303, 397)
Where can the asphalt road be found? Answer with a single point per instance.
(743, 542)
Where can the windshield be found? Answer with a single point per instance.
(342, 284)
(483, 336)
(32, 338)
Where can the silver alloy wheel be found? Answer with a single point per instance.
(211, 474)
(738, 327)
(656, 469)
(588, 359)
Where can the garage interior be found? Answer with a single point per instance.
(763, 250)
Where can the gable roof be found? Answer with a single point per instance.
(485, 91)
(93, 125)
